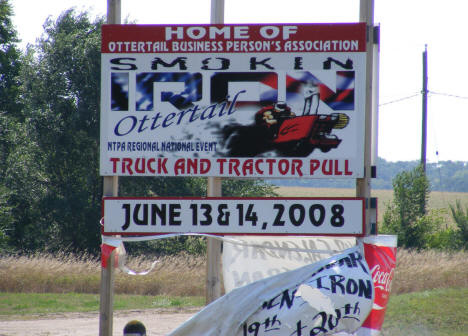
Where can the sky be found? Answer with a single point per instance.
(407, 26)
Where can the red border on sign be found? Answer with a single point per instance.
(121, 36)
(136, 234)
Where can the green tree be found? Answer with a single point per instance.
(460, 216)
(9, 63)
(54, 188)
(10, 108)
(406, 215)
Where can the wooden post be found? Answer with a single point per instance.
(213, 246)
(110, 188)
(363, 188)
(213, 251)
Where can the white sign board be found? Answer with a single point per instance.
(253, 216)
(233, 100)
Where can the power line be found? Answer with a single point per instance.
(417, 94)
(400, 99)
(447, 95)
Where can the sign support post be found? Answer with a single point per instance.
(110, 188)
(363, 187)
(213, 246)
(213, 251)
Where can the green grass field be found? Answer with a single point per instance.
(439, 312)
(34, 305)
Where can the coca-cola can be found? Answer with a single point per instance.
(380, 254)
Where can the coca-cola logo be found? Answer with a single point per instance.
(382, 280)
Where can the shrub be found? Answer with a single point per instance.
(406, 215)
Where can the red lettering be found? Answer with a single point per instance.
(205, 166)
(234, 166)
(149, 166)
(346, 168)
(257, 166)
(337, 171)
(283, 166)
(179, 167)
(247, 167)
(114, 164)
(297, 167)
(314, 165)
(221, 163)
(127, 165)
(270, 165)
(192, 166)
(162, 166)
(140, 165)
(330, 167)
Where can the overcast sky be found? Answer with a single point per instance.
(406, 27)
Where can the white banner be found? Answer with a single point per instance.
(323, 298)
(265, 256)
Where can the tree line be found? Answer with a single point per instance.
(449, 176)
(50, 187)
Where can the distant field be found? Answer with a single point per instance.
(437, 199)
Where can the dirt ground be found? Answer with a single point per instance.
(157, 322)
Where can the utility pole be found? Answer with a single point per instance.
(424, 111)
(110, 188)
(363, 187)
(213, 246)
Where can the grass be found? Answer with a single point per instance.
(427, 270)
(440, 312)
(25, 304)
(178, 276)
(184, 276)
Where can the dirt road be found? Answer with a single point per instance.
(158, 323)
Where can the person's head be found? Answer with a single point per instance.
(280, 106)
(134, 328)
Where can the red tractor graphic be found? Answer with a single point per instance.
(278, 129)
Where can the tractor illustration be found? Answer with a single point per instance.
(279, 129)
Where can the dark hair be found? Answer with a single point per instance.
(134, 328)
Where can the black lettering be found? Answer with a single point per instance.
(174, 214)
(126, 207)
(298, 63)
(136, 219)
(365, 289)
(181, 61)
(289, 300)
(336, 281)
(158, 211)
(279, 214)
(351, 286)
(292, 214)
(122, 65)
(321, 214)
(254, 63)
(207, 213)
(223, 215)
(225, 62)
(356, 258)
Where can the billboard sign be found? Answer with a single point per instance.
(221, 216)
(265, 101)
